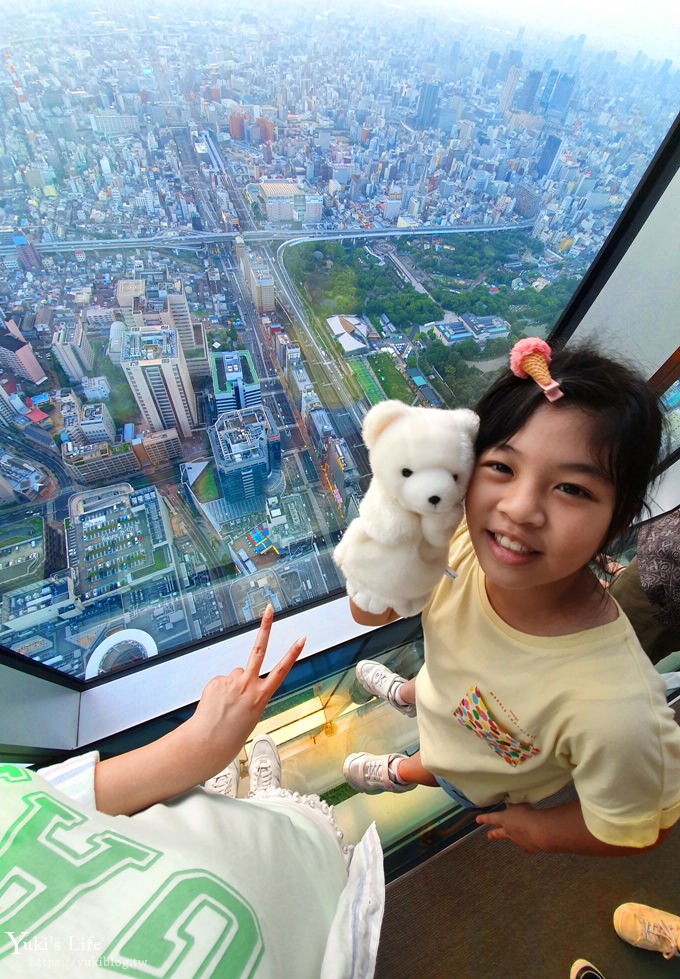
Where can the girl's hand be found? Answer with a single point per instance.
(559, 829)
(230, 706)
(516, 823)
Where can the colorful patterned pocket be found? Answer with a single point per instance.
(473, 713)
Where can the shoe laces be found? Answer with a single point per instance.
(379, 677)
(374, 769)
(223, 782)
(263, 774)
(660, 929)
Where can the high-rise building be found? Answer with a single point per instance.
(258, 276)
(99, 462)
(526, 95)
(247, 451)
(548, 88)
(428, 101)
(16, 355)
(492, 64)
(262, 288)
(157, 372)
(96, 388)
(509, 88)
(299, 381)
(236, 126)
(73, 350)
(96, 423)
(153, 299)
(546, 160)
(512, 58)
(157, 448)
(561, 96)
(313, 208)
(7, 411)
(282, 200)
(340, 471)
(27, 255)
(235, 382)
(241, 254)
(176, 314)
(70, 407)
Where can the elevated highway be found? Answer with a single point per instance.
(196, 239)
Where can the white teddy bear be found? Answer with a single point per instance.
(393, 554)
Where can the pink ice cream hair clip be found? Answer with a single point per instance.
(530, 358)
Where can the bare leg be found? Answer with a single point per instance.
(410, 770)
(407, 691)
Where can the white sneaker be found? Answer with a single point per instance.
(371, 773)
(226, 781)
(264, 765)
(658, 931)
(384, 683)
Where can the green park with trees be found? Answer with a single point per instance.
(487, 274)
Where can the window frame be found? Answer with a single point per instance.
(83, 712)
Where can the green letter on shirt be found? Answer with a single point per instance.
(51, 861)
(194, 925)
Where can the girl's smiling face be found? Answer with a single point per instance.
(539, 506)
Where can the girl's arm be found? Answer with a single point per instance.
(371, 618)
(561, 829)
(229, 708)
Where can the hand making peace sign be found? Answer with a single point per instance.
(230, 706)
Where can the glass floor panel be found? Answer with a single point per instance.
(317, 726)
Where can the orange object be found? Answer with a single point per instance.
(530, 357)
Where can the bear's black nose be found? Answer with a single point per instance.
(434, 500)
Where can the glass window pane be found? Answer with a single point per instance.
(222, 241)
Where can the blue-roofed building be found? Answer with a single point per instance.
(451, 331)
(484, 328)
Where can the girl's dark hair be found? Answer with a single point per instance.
(627, 420)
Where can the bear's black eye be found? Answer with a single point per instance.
(455, 477)
(407, 472)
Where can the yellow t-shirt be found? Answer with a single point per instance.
(510, 717)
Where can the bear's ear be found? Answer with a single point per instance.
(379, 417)
(467, 419)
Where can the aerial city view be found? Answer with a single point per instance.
(225, 233)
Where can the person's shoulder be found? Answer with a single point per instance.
(460, 545)
(617, 698)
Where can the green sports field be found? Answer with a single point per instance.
(366, 381)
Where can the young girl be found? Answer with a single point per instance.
(533, 677)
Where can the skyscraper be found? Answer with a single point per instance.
(548, 88)
(561, 96)
(546, 161)
(17, 355)
(526, 95)
(509, 88)
(72, 349)
(426, 111)
(155, 368)
(247, 451)
(153, 299)
(235, 381)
